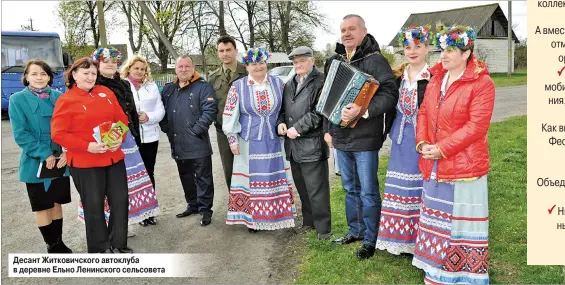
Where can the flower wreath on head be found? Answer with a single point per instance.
(101, 53)
(455, 40)
(414, 34)
(255, 55)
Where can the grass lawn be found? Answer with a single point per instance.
(519, 77)
(327, 263)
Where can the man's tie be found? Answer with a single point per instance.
(228, 73)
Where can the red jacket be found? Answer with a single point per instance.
(459, 124)
(76, 113)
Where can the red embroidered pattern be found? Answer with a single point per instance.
(408, 104)
(269, 184)
(402, 199)
(231, 100)
(263, 102)
(239, 202)
(467, 259)
(232, 140)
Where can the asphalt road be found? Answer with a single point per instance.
(238, 257)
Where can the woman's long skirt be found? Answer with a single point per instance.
(452, 242)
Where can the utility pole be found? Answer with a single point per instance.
(510, 55)
(31, 24)
(156, 27)
(101, 24)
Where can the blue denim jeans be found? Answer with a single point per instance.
(363, 200)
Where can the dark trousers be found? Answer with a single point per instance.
(198, 183)
(148, 153)
(93, 184)
(226, 156)
(313, 186)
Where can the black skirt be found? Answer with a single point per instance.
(59, 192)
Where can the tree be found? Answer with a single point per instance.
(521, 54)
(248, 8)
(220, 14)
(78, 17)
(482, 52)
(135, 21)
(90, 8)
(73, 20)
(284, 25)
(28, 27)
(205, 25)
(172, 18)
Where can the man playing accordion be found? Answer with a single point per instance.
(358, 147)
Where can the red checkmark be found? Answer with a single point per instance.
(551, 210)
(560, 71)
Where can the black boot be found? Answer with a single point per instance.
(144, 223)
(47, 233)
(57, 226)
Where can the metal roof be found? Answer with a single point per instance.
(474, 16)
(30, 34)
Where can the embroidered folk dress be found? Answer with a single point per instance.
(261, 187)
(402, 199)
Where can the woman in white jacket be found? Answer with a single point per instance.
(150, 109)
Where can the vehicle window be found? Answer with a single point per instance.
(281, 71)
(17, 50)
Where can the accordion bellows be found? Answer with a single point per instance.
(345, 84)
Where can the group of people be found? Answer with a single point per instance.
(270, 138)
(57, 129)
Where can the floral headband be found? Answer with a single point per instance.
(454, 40)
(255, 55)
(101, 53)
(414, 34)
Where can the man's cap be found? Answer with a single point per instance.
(301, 50)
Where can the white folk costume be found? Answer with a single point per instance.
(261, 187)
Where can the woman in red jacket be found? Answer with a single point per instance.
(97, 170)
(452, 242)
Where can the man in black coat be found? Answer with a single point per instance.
(190, 105)
(304, 142)
(358, 148)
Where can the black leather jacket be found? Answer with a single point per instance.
(368, 134)
(298, 110)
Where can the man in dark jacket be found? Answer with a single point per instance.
(304, 142)
(221, 79)
(358, 147)
(190, 105)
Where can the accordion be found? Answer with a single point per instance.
(345, 84)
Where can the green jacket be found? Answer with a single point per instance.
(222, 86)
(30, 118)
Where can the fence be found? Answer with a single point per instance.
(163, 79)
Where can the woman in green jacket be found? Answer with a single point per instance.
(30, 116)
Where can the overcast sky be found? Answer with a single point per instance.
(383, 18)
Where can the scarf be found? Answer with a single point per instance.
(136, 83)
(42, 93)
